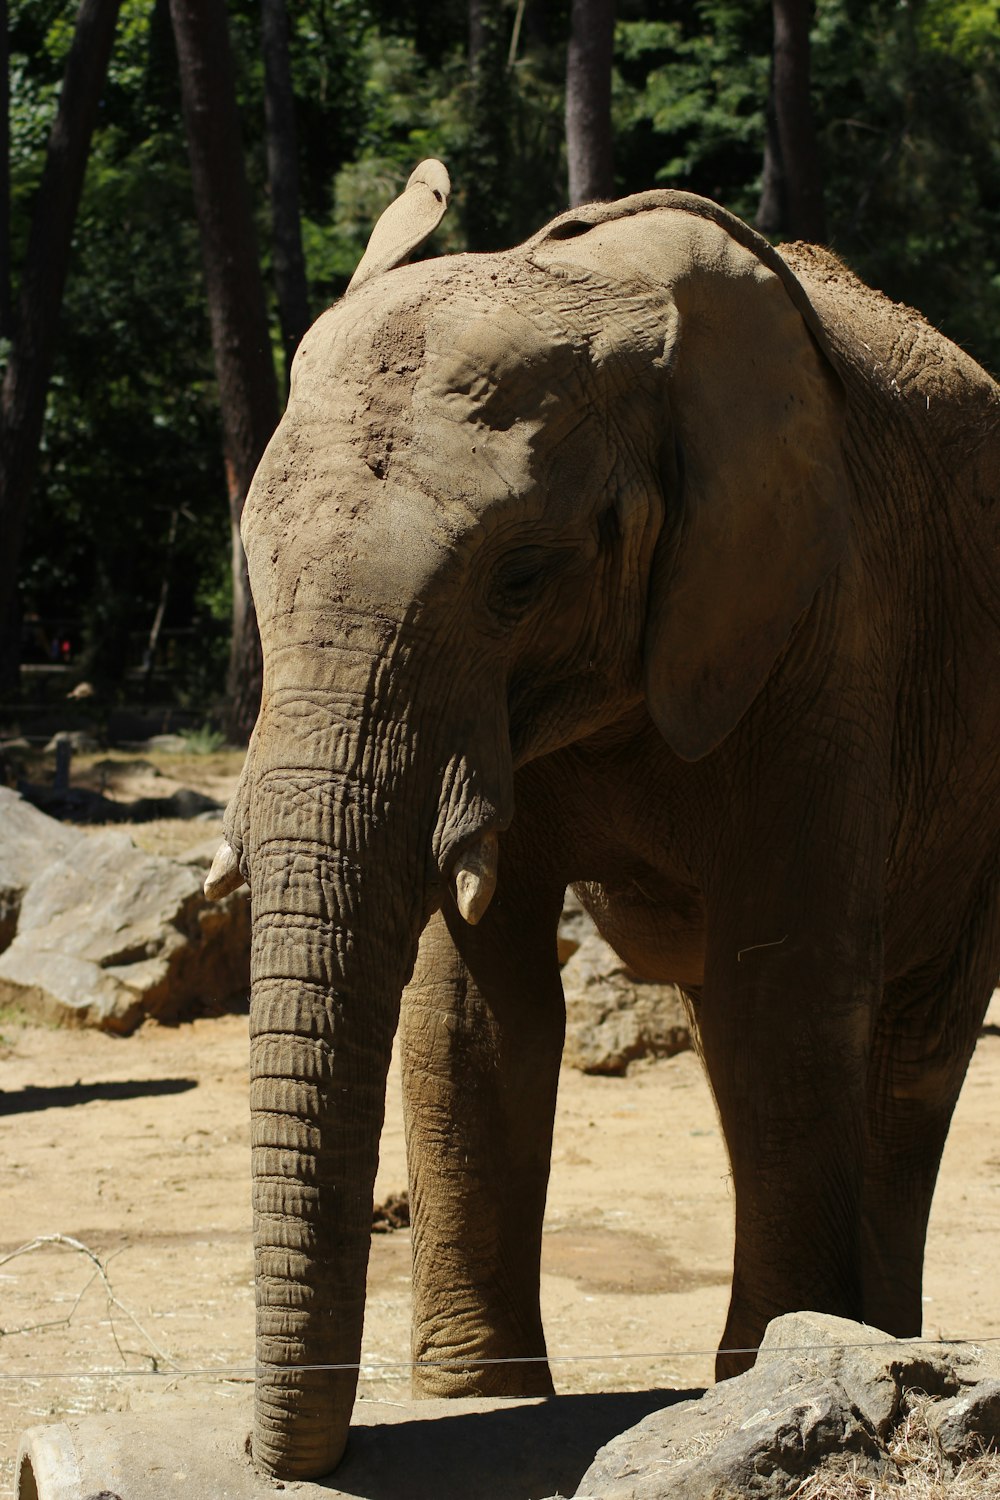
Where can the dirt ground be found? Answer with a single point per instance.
(137, 1148)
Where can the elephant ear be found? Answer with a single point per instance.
(760, 518)
(407, 222)
(755, 491)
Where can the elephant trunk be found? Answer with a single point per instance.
(335, 931)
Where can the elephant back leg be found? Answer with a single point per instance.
(483, 1022)
(924, 1038)
(793, 975)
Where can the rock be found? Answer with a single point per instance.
(574, 926)
(108, 935)
(968, 1423)
(824, 1392)
(29, 842)
(80, 741)
(169, 744)
(613, 1018)
(202, 853)
(124, 770)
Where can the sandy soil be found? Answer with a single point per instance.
(138, 1149)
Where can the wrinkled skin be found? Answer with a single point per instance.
(677, 573)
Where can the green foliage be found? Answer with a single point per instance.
(689, 97)
(913, 155)
(202, 741)
(906, 96)
(131, 431)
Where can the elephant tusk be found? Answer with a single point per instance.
(475, 877)
(225, 875)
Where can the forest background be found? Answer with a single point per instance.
(124, 571)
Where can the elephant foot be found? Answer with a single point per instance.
(299, 1433)
(510, 1380)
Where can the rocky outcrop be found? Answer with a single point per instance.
(29, 843)
(100, 933)
(825, 1394)
(614, 1018)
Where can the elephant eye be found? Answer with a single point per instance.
(518, 581)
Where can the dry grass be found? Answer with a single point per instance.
(916, 1469)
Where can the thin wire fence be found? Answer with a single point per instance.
(164, 1366)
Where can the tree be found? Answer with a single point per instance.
(6, 315)
(588, 100)
(35, 321)
(241, 344)
(283, 179)
(486, 156)
(792, 189)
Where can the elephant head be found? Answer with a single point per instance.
(515, 498)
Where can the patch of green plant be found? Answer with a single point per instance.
(13, 1017)
(204, 740)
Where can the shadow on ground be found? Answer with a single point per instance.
(529, 1452)
(21, 1101)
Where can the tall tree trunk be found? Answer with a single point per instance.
(35, 322)
(283, 179)
(771, 209)
(486, 161)
(792, 191)
(588, 100)
(6, 316)
(244, 367)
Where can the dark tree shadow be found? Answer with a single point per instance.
(63, 1096)
(528, 1451)
(80, 805)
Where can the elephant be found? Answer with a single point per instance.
(647, 559)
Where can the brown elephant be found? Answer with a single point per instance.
(643, 558)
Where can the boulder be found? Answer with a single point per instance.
(29, 843)
(825, 1393)
(79, 741)
(614, 1018)
(575, 925)
(107, 935)
(969, 1422)
(166, 744)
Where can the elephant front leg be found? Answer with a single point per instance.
(482, 1041)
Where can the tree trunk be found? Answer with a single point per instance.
(771, 209)
(588, 100)
(792, 196)
(35, 323)
(248, 393)
(283, 180)
(486, 161)
(6, 313)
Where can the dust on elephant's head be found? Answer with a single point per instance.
(621, 440)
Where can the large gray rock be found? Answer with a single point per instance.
(29, 843)
(613, 1018)
(107, 935)
(824, 1391)
(969, 1422)
(575, 926)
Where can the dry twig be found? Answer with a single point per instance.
(158, 1357)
